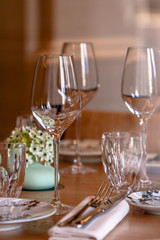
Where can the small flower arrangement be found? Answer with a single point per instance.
(39, 144)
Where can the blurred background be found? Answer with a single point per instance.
(30, 27)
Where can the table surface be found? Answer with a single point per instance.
(136, 225)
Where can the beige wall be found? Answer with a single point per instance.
(110, 25)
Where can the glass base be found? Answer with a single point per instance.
(145, 181)
(61, 208)
(77, 169)
(143, 184)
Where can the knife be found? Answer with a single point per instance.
(81, 221)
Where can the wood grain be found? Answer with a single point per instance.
(94, 123)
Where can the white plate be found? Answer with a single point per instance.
(15, 211)
(153, 159)
(153, 163)
(88, 147)
(147, 200)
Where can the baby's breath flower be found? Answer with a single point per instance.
(39, 145)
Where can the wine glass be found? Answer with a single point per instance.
(55, 104)
(140, 90)
(86, 71)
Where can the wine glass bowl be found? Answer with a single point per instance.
(55, 104)
(140, 89)
(86, 72)
(86, 69)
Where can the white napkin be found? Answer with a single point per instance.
(97, 229)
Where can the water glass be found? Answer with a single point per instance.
(12, 169)
(122, 157)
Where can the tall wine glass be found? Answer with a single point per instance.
(55, 104)
(86, 71)
(140, 90)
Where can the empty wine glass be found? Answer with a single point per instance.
(140, 89)
(55, 104)
(86, 70)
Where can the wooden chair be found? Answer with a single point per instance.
(94, 123)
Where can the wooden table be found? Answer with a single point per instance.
(136, 225)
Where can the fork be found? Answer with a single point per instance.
(95, 201)
(105, 204)
(103, 207)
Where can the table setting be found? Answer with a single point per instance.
(103, 179)
(97, 229)
(125, 148)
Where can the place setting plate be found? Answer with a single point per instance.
(14, 212)
(146, 200)
(90, 149)
(153, 163)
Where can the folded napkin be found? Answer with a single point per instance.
(96, 229)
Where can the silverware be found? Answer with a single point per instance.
(97, 200)
(107, 204)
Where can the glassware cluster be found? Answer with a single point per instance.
(140, 89)
(64, 84)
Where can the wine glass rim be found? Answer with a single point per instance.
(78, 42)
(12, 145)
(122, 134)
(54, 55)
(144, 47)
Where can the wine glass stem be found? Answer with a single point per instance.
(56, 167)
(77, 160)
(144, 136)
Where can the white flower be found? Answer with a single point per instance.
(39, 144)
